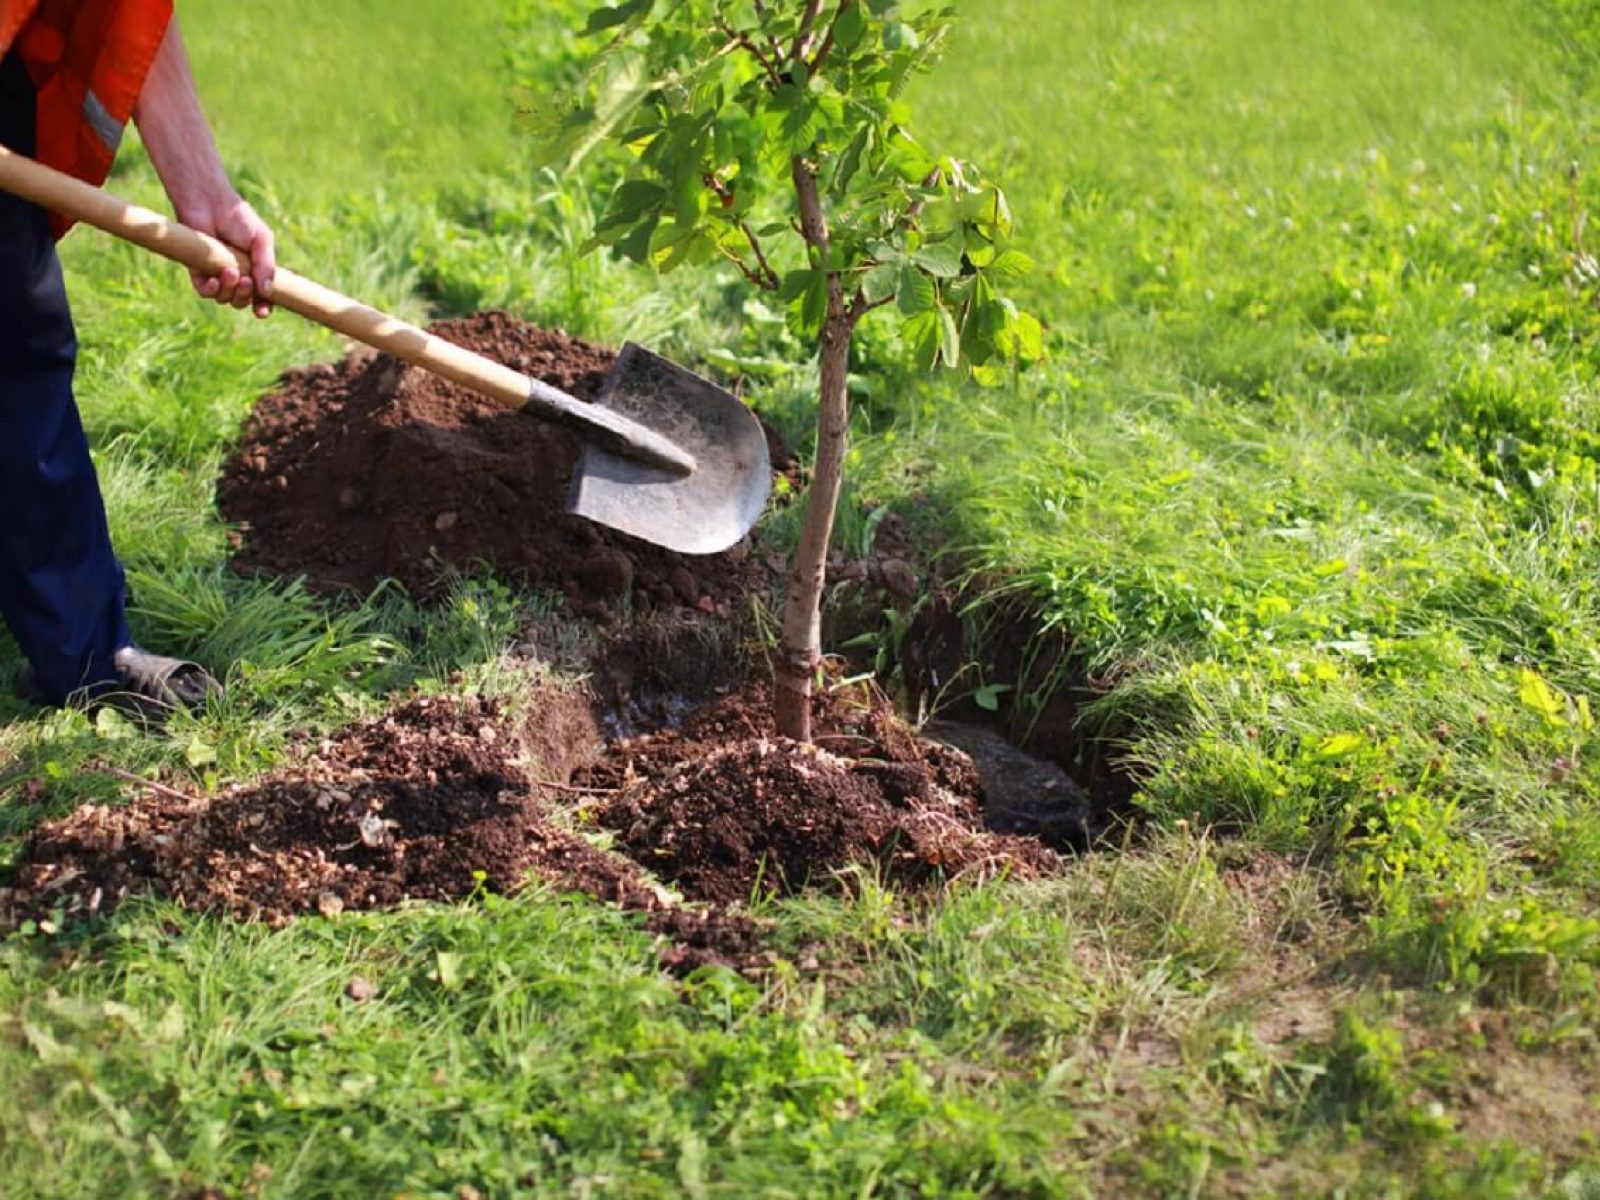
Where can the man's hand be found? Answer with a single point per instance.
(235, 222)
(185, 156)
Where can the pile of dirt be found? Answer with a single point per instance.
(442, 797)
(727, 811)
(430, 802)
(368, 469)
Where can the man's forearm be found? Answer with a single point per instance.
(176, 133)
(180, 144)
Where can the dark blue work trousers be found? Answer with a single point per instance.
(61, 588)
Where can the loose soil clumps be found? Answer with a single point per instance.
(442, 797)
(429, 802)
(369, 469)
(771, 817)
(727, 812)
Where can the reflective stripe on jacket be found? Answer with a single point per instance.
(88, 60)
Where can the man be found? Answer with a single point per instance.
(72, 72)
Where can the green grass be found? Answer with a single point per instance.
(1309, 481)
(1314, 470)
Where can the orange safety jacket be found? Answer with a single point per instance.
(88, 60)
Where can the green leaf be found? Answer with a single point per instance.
(602, 19)
(881, 282)
(949, 337)
(917, 294)
(988, 696)
(922, 332)
(1011, 264)
(848, 27)
(814, 304)
(199, 753)
(1029, 336)
(911, 162)
(448, 966)
(675, 244)
(988, 210)
(850, 160)
(112, 725)
(1539, 696)
(631, 200)
(689, 192)
(984, 327)
(171, 1026)
(897, 35)
(990, 374)
(941, 259)
(635, 245)
(796, 283)
(1340, 744)
(565, 138)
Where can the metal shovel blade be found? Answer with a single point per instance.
(700, 513)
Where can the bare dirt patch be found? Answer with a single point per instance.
(1549, 1100)
(1292, 977)
(369, 469)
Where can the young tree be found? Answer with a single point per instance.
(763, 133)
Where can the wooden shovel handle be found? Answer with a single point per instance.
(207, 256)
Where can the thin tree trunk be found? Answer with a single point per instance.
(800, 653)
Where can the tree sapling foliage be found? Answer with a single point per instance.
(771, 136)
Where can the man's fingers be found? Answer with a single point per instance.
(263, 261)
(228, 279)
(238, 225)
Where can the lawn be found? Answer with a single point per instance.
(1307, 486)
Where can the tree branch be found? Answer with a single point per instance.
(773, 283)
(860, 306)
(821, 55)
(762, 281)
(813, 220)
(743, 39)
(802, 39)
(160, 789)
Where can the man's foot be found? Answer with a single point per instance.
(168, 682)
(148, 686)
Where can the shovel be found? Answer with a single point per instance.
(668, 457)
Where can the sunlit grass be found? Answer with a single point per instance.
(1308, 482)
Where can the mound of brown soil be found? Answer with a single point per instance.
(726, 811)
(369, 469)
(430, 802)
(774, 817)
(442, 797)
(427, 802)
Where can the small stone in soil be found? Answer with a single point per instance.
(607, 573)
(899, 578)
